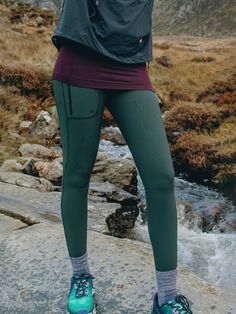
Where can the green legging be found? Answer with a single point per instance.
(138, 116)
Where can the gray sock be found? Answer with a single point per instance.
(166, 285)
(80, 264)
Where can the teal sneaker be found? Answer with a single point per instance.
(179, 305)
(81, 298)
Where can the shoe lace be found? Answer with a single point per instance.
(81, 282)
(184, 307)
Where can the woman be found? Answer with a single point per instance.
(103, 50)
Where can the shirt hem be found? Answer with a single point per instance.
(96, 84)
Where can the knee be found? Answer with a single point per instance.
(75, 178)
(160, 182)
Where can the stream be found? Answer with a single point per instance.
(211, 255)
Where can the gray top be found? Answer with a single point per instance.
(119, 29)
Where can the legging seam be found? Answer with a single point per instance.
(68, 143)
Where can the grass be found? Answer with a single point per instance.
(27, 57)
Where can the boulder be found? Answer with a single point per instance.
(112, 134)
(11, 165)
(50, 170)
(45, 125)
(120, 222)
(119, 171)
(212, 219)
(26, 181)
(112, 193)
(37, 150)
(52, 110)
(30, 168)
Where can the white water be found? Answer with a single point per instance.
(211, 256)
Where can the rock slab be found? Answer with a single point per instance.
(35, 273)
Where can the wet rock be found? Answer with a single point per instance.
(228, 224)
(214, 219)
(120, 222)
(119, 171)
(26, 181)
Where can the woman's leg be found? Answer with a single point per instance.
(80, 112)
(138, 116)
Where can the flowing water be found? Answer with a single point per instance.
(211, 255)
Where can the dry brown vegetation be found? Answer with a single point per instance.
(203, 135)
(198, 91)
(28, 81)
(199, 94)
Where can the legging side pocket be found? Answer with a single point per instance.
(81, 102)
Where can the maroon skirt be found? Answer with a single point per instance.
(80, 65)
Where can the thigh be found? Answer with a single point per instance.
(138, 116)
(80, 112)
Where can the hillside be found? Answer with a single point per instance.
(195, 17)
(185, 17)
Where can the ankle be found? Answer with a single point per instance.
(166, 285)
(80, 264)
